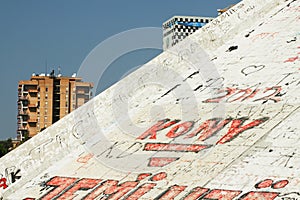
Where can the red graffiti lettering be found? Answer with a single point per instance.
(83, 184)
(222, 194)
(237, 128)
(60, 184)
(280, 184)
(160, 125)
(175, 147)
(112, 190)
(100, 189)
(236, 94)
(183, 127)
(245, 95)
(85, 159)
(228, 91)
(264, 35)
(209, 128)
(293, 59)
(259, 195)
(143, 176)
(68, 188)
(161, 162)
(141, 191)
(264, 184)
(274, 96)
(251, 95)
(172, 192)
(116, 192)
(3, 183)
(160, 176)
(196, 193)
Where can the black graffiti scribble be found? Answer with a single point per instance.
(165, 94)
(252, 69)
(248, 34)
(232, 48)
(191, 76)
(13, 174)
(173, 88)
(292, 40)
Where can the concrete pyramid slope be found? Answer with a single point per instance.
(215, 117)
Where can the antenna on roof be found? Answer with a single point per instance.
(52, 74)
(46, 66)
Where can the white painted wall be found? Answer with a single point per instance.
(260, 80)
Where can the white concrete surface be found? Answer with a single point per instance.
(243, 69)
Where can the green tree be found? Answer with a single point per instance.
(5, 146)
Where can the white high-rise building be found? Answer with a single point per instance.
(179, 27)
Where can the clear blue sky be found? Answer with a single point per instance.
(63, 32)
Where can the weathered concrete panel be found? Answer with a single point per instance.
(215, 117)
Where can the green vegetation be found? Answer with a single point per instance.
(5, 146)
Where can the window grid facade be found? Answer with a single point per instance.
(43, 100)
(179, 27)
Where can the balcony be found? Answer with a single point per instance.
(22, 113)
(81, 92)
(23, 98)
(21, 128)
(32, 105)
(32, 120)
(24, 123)
(32, 90)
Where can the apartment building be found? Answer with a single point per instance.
(44, 99)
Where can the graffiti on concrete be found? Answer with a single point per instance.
(292, 59)
(88, 189)
(3, 183)
(239, 95)
(252, 69)
(206, 129)
(11, 175)
(266, 35)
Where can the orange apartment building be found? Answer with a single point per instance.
(44, 99)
